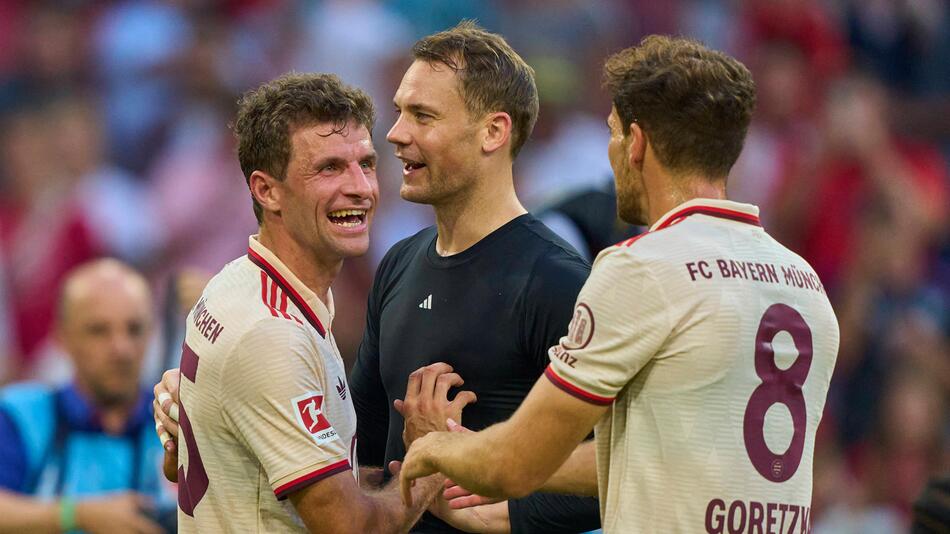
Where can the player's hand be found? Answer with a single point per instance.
(165, 409)
(119, 513)
(456, 497)
(489, 519)
(419, 462)
(426, 406)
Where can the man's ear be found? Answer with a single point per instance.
(638, 145)
(497, 131)
(264, 188)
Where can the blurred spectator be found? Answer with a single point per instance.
(43, 230)
(50, 49)
(114, 137)
(114, 202)
(783, 132)
(83, 455)
(863, 171)
(136, 43)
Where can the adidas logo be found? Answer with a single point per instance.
(427, 303)
(341, 387)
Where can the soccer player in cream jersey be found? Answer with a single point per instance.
(267, 424)
(700, 352)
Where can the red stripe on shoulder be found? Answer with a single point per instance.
(575, 391)
(630, 241)
(285, 286)
(301, 482)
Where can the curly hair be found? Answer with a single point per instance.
(693, 103)
(268, 115)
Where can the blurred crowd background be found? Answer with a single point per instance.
(114, 141)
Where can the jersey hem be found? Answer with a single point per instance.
(575, 391)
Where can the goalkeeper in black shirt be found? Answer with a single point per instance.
(489, 289)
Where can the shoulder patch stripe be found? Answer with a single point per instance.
(575, 391)
(295, 297)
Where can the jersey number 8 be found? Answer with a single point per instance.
(778, 387)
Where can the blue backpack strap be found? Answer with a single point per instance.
(31, 407)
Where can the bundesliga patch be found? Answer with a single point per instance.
(309, 411)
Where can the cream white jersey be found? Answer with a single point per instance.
(264, 403)
(713, 346)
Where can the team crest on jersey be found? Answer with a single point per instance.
(309, 411)
(581, 329)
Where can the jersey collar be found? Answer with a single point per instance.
(318, 314)
(724, 209)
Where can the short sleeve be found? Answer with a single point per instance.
(620, 322)
(369, 393)
(274, 400)
(13, 470)
(549, 301)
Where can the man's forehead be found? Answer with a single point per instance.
(327, 139)
(425, 79)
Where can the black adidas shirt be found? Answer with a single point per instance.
(491, 312)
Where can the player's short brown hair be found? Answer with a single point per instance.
(268, 115)
(492, 76)
(694, 103)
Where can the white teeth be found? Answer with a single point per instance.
(347, 224)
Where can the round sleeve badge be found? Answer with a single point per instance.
(581, 329)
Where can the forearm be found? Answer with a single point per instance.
(578, 475)
(22, 513)
(386, 511)
(488, 464)
(485, 519)
(371, 478)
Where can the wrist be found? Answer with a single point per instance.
(67, 515)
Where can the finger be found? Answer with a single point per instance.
(444, 382)
(405, 486)
(164, 437)
(455, 492)
(173, 411)
(399, 405)
(430, 374)
(412, 385)
(455, 427)
(171, 426)
(164, 399)
(172, 379)
(469, 501)
(395, 467)
(463, 399)
(448, 483)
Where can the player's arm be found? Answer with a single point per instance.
(337, 505)
(368, 392)
(601, 354)
(513, 458)
(578, 474)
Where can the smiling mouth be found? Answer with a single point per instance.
(347, 218)
(411, 165)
